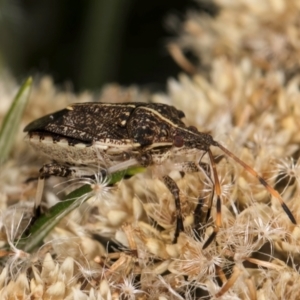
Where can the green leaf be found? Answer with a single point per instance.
(46, 222)
(12, 120)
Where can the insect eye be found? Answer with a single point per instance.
(193, 128)
(178, 141)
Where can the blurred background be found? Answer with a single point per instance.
(90, 43)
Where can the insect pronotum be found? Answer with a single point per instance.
(129, 134)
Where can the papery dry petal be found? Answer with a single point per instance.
(48, 268)
(37, 290)
(157, 248)
(91, 248)
(3, 277)
(173, 250)
(22, 283)
(56, 291)
(117, 217)
(77, 294)
(160, 267)
(66, 271)
(104, 289)
(138, 209)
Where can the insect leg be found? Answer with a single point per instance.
(192, 167)
(55, 169)
(197, 217)
(198, 211)
(219, 204)
(206, 170)
(173, 188)
(271, 190)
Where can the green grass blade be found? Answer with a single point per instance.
(46, 222)
(12, 120)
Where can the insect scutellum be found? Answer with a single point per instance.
(121, 135)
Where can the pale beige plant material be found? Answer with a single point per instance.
(266, 31)
(251, 110)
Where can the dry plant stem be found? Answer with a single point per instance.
(128, 230)
(234, 276)
(180, 59)
(4, 253)
(129, 234)
(265, 264)
(221, 274)
(169, 288)
(114, 255)
(251, 287)
(123, 259)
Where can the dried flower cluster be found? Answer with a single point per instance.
(118, 244)
(267, 32)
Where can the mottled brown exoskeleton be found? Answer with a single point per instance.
(118, 136)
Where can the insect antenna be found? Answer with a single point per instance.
(270, 189)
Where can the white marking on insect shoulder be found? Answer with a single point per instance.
(159, 115)
(167, 120)
(118, 104)
(106, 104)
(69, 108)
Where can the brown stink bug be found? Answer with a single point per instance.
(129, 134)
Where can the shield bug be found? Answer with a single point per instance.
(122, 135)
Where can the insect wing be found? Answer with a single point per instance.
(41, 123)
(86, 122)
